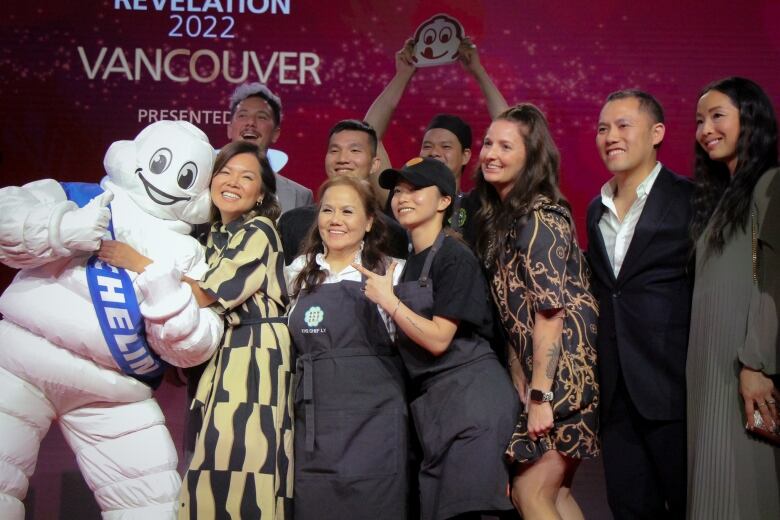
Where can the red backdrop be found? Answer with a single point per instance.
(76, 76)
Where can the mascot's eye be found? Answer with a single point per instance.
(429, 36)
(445, 34)
(160, 161)
(187, 175)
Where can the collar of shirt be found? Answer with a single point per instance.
(348, 273)
(642, 191)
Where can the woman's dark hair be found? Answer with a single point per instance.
(539, 178)
(374, 241)
(722, 198)
(269, 207)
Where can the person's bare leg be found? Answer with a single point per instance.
(535, 487)
(565, 504)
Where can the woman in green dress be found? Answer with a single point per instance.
(732, 368)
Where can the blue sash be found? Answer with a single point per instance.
(116, 306)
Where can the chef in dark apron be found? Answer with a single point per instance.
(350, 405)
(465, 406)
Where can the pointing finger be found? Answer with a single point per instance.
(365, 271)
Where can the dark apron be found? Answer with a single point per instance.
(351, 423)
(464, 415)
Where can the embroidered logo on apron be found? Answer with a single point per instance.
(314, 316)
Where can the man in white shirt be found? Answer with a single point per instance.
(256, 116)
(639, 252)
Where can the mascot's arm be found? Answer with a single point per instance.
(38, 224)
(181, 332)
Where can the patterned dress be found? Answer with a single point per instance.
(241, 467)
(540, 267)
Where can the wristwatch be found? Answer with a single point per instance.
(539, 396)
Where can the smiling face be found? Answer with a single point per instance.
(437, 40)
(717, 127)
(165, 170)
(342, 220)
(253, 121)
(414, 207)
(443, 145)
(503, 154)
(627, 137)
(350, 153)
(237, 187)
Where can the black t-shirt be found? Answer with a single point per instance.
(469, 206)
(459, 288)
(294, 226)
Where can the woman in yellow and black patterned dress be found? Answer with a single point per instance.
(242, 464)
(241, 467)
(540, 287)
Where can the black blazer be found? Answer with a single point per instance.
(644, 314)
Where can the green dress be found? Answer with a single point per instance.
(733, 320)
(242, 464)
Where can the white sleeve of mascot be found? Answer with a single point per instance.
(27, 214)
(38, 224)
(181, 332)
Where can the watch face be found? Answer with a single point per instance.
(541, 397)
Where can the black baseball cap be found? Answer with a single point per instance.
(421, 173)
(455, 125)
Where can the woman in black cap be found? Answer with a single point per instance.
(464, 406)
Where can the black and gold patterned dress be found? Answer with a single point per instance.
(241, 467)
(539, 267)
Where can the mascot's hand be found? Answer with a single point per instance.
(180, 325)
(165, 295)
(188, 338)
(82, 229)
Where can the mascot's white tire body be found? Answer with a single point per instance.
(114, 426)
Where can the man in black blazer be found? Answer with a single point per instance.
(639, 251)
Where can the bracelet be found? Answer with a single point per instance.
(392, 316)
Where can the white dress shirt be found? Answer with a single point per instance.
(348, 273)
(617, 234)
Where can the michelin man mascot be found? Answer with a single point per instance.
(72, 345)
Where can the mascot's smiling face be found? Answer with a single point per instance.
(437, 40)
(165, 170)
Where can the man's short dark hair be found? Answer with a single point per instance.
(647, 102)
(358, 126)
(455, 125)
(255, 89)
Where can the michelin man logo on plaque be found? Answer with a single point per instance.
(436, 41)
(72, 342)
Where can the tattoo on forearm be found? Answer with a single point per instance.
(552, 358)
(413, 324)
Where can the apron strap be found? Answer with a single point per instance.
(308, 399)
(423, 281)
